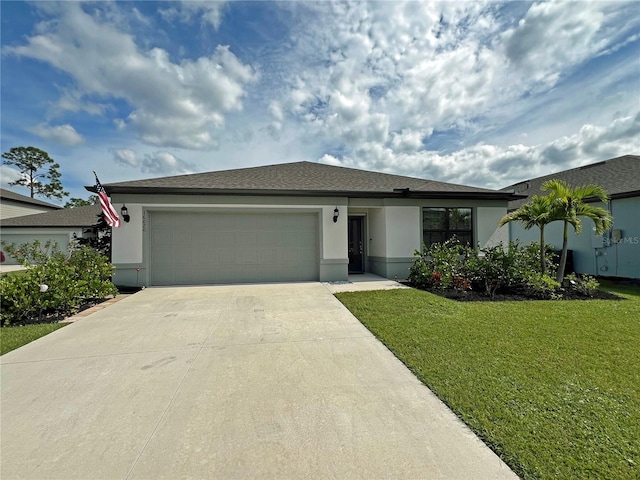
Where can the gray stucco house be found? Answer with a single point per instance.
(13, 204)
(60, 226)
(290, 222)
(615, 254)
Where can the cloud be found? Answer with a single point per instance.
(8, 175)
(492, 166)
(553, 36)
(73, 101)
(187, 10)
(62, 134)
(383, 83)
(158, 163)
(178, 104)
(126, 157)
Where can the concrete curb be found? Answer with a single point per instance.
(95, 308)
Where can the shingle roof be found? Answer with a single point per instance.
(16, 197)
(66, 217)
(300, 178)
(619, 176)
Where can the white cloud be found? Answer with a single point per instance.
(8, 175)
(157, 163)
(408, 140)
(442, 90)
(165, 163)
(187, 10)
(380, 80)
(126, 157)
(552, 37)
(72, 101)
(62, 134)
(491, 166)
(173, 104)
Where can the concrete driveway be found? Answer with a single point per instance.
(230, 382)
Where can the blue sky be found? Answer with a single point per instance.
(477, 93)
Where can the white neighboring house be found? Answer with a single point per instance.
(298, 221)
(15, 205)
(60, 226)
(617, 252)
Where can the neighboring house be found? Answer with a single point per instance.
(615, 254)
(15, 205)
(290, 222)
(60, 226)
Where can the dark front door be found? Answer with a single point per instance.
(356, 244)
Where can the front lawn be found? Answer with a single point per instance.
(553, 387)
(14, 337)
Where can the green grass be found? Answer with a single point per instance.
(14, 337)
(552, 387)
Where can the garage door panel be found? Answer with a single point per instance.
(183, 256)
(192, 248)
(248, 238)
(306, 238)
(269, 237)
(161, 255)
(248, 257)
(223, 239)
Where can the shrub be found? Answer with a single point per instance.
(490, 270)
(442, 265)
(543, 287)
(583, 284)
(33, 253)
(20, 298)
(71, 280)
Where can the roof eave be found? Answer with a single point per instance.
(83, 225)
(489, 195)
(616, 196)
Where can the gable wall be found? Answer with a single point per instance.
(9, 209)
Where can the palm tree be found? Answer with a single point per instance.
(569, 205)
(537, 212)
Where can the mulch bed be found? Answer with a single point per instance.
(53, 317)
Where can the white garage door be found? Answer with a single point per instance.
(205, 248)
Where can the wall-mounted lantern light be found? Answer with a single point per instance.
(125, 213)
(336, 214)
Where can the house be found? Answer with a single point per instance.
(615, 254)
(15, 205)
(290, 222)
(60, 226)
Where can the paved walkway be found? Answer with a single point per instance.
(229, 382)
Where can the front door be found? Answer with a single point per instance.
(356, 244)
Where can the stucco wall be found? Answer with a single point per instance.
(376, 230)
(596, 255)
(488, 233)
(128, 241)
(393, 227)
(403, 231)
(18, 236)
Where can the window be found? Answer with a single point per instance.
(441, 224)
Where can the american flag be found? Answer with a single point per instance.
(110, 214)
